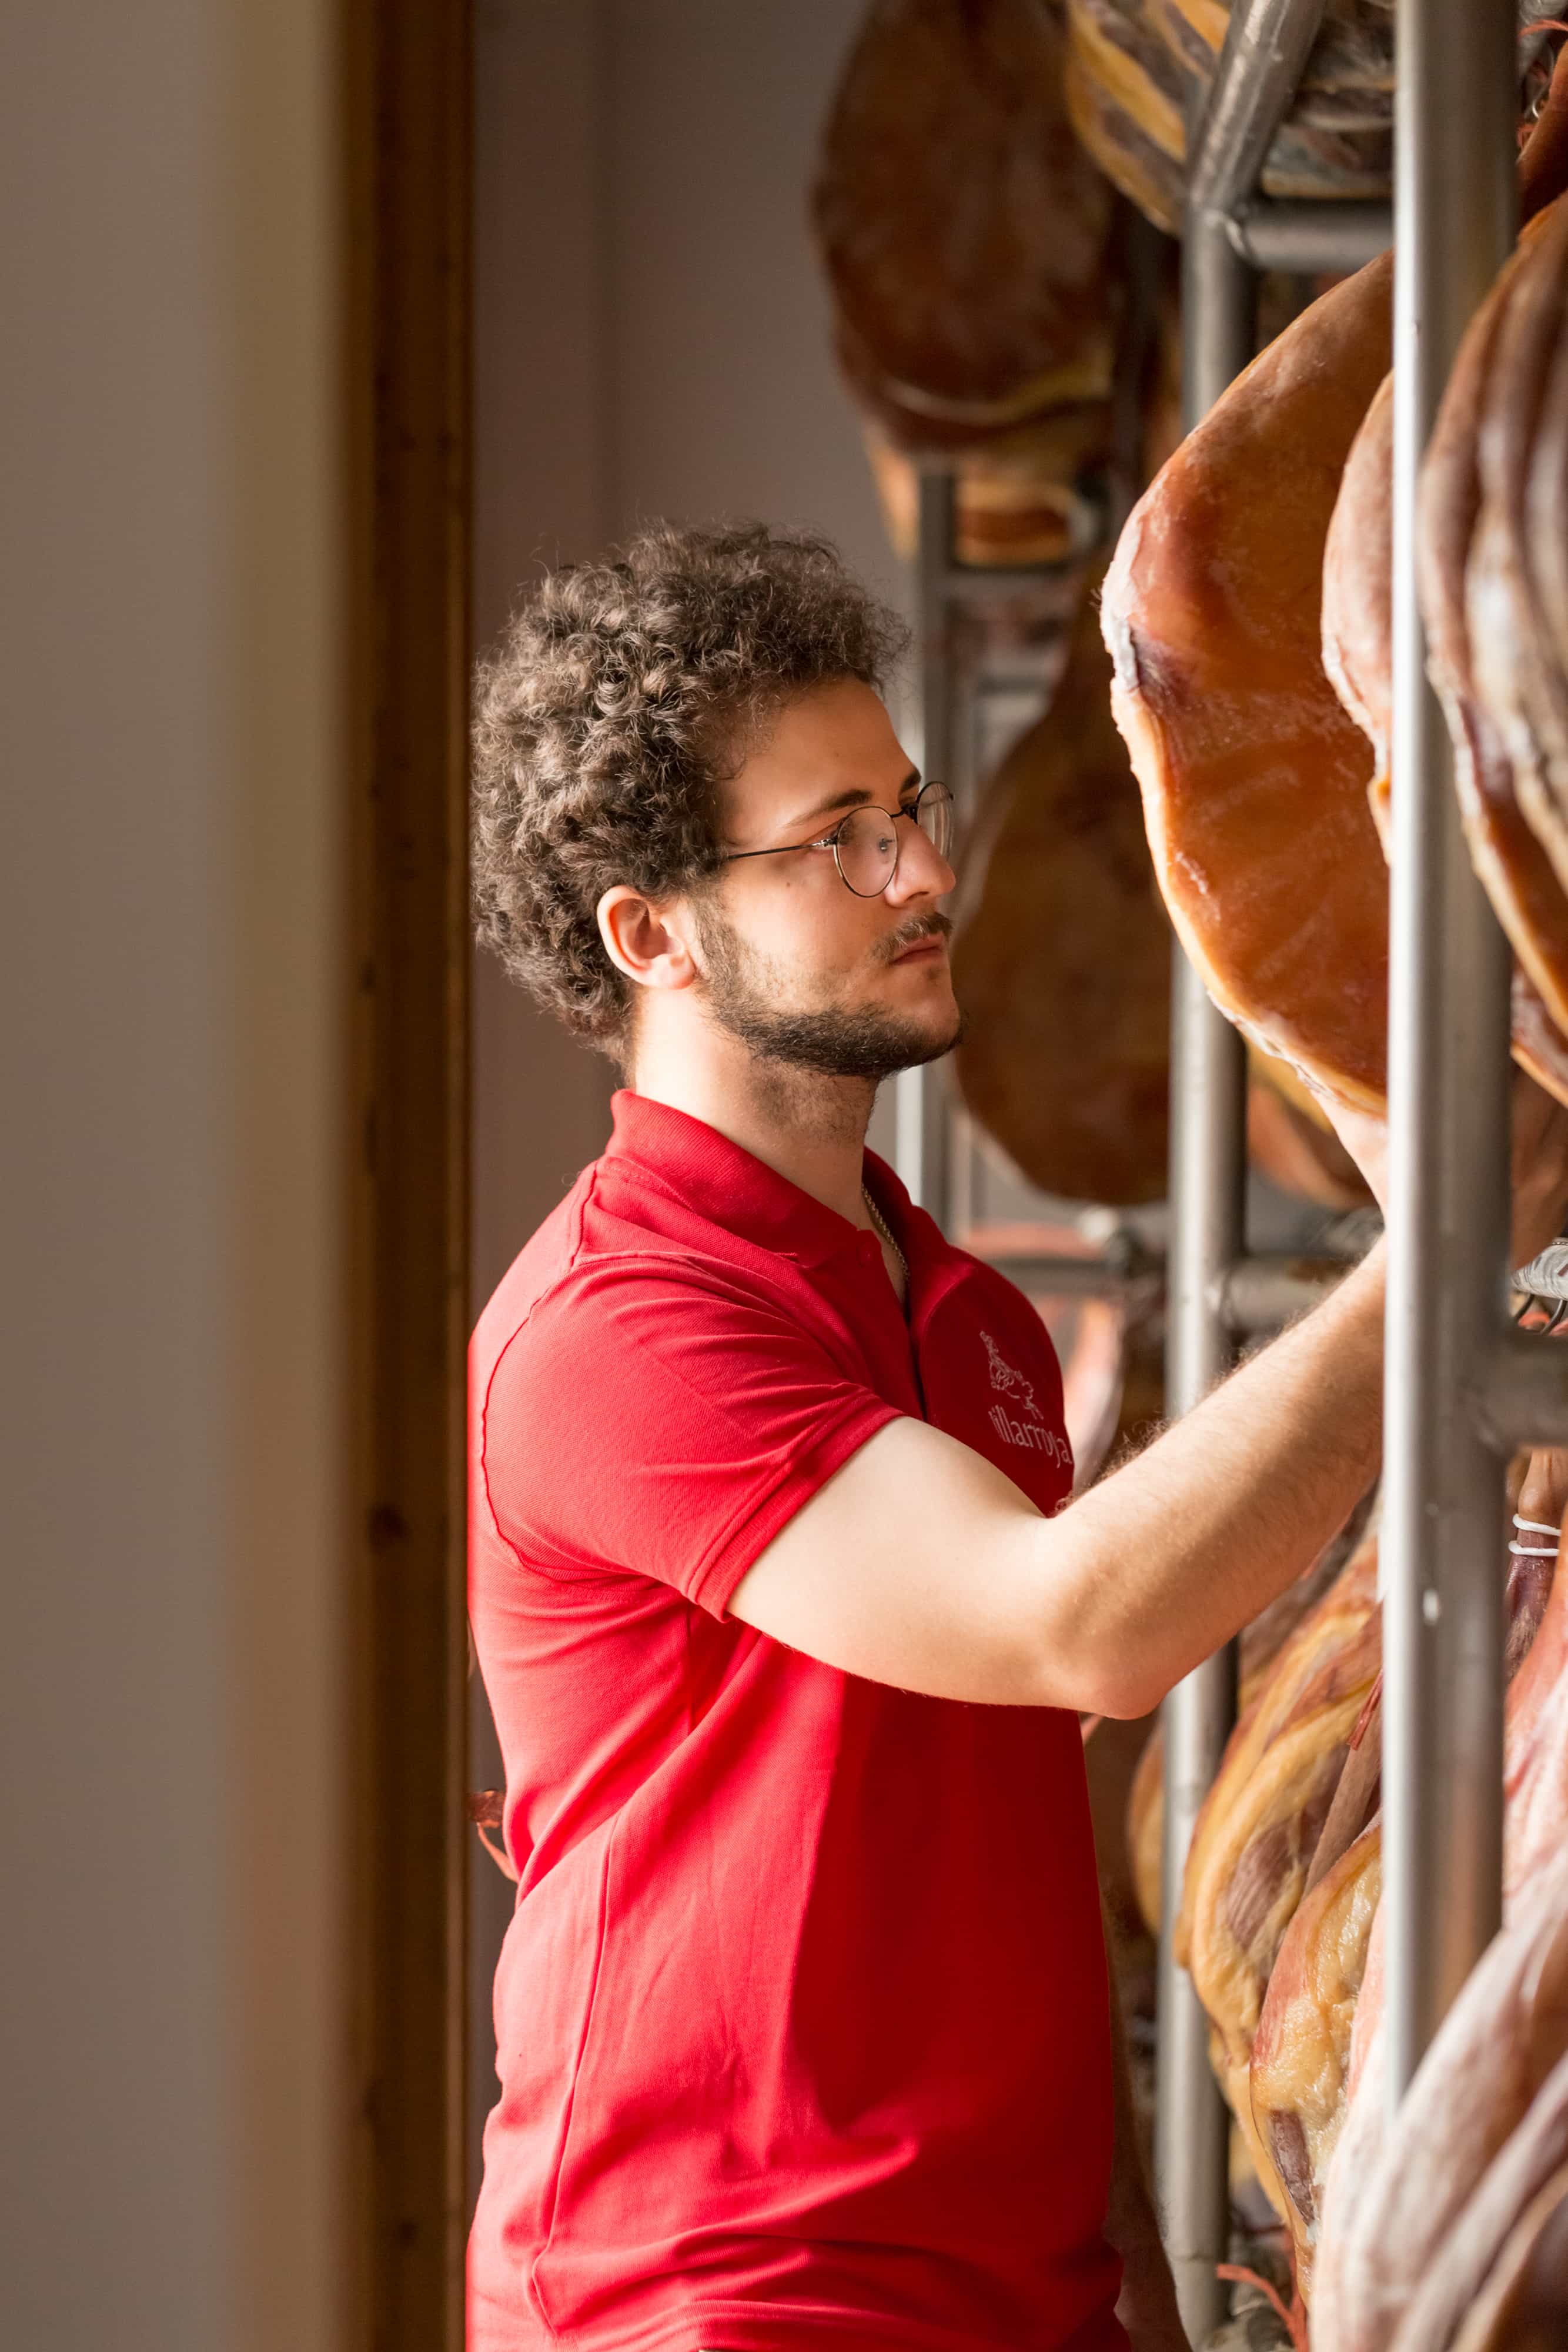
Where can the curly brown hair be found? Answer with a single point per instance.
(621, 695)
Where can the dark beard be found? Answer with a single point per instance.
(833, 1042)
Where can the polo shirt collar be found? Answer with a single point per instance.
(741, 1193)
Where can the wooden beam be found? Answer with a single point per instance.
(407, 91)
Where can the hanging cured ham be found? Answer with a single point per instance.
(972, 251)
(1141, 70)
(1514, 657)
(1357, 615)
(1495, 2050)
(1062, 967)
(1061, 963)
(1523, 2305)
(1300, 2053)
(1254, 1840)
(1526, 2179)
(1493, 391)
(1326, 1980)
(1389, 2197)
(1253, 777)
(1261, 1646)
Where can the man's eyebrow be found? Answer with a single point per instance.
(853, 796)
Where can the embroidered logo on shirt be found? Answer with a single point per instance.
(1010, 1383)
(1031, 1432)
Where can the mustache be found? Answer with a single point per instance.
(918, 927)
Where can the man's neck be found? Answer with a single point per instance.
(808, 1127)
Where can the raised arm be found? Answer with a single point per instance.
(920, 1564)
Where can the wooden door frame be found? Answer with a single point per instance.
(408, 146)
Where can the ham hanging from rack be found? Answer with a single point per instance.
(1523, 2305)
(1357, 609)
(974, 256)
(1303, 2062)
(1500, 2225)
(1140, 73)
(1386, 2231)
(1062, 965)
(1254, 776)
(1515, 656)
(1256, 1835)
(1300, 2053)
(1261, 1644)
(1390, 2199)
(1141, 70)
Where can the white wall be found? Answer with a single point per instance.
(169, 936)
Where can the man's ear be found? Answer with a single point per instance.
(650, 943)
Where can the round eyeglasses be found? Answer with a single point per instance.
(865, 843)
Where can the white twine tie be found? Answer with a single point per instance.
(1536, 1527)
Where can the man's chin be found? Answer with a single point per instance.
(941, 1034)
(868, 1043)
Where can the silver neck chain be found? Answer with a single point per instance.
(880, 1223)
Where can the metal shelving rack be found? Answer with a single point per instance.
(1462, 1385)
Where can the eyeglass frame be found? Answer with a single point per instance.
(830, 840)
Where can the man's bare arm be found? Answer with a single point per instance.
(920, 1564)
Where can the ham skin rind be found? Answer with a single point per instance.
(1300, 2053)
(1061, 964)
(1506, 852)
(1518, 674)
(1385, 2221)
(1253, 778)
(1255, 1837)
(1533, 2158)
(1523, 2306)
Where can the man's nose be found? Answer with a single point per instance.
(922, 871)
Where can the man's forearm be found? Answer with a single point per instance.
(920, 1564)
(1224, 1509)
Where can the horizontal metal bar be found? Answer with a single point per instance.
(1075, 1278)
(967, 583)
(1255, 1293)
(1523, 1399)
(1307, 239)
(1261, 1293)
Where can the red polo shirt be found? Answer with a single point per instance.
(802, 2018)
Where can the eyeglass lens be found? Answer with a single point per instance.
(867, 841)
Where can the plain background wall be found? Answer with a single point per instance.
(171, 983)
(653, 338)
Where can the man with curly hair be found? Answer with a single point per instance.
(803, 2023)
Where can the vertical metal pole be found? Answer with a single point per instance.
(1208, 1232)
(923, 1146)
(1454, 211)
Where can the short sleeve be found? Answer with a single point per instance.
(665, 1422)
